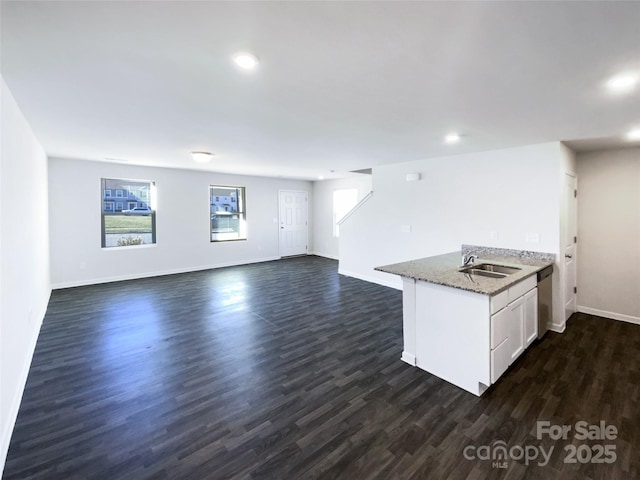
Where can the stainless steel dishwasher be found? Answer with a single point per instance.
(545, 304)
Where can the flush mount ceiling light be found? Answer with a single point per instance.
(633, 135)
(202, 157)
(452, 138)
(245, 60)
(622, 83)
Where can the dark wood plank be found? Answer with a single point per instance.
(286, 370)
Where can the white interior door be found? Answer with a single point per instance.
(569, 245)
(293, 223)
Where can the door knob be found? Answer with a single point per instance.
(566, 255)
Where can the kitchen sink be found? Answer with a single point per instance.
(490, 267)
(489, 270)
(483, 273)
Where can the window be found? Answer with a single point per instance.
(343, 202)
(123, 228)
(228, 215)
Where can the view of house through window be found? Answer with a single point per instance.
(228, 215)
(343, 202)
(128, 213)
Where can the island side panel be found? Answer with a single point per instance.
(452, 338)
(409, 320)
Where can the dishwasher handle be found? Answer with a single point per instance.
(545, 272)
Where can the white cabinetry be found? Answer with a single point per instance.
(514, 324)
(530, 317)
(452, 335)
(500, 354)
(516, 328)
(467, 338)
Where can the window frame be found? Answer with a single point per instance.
(123, 199)
(241, 210)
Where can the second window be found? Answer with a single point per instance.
(227, 212)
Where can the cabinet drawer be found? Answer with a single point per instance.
(522, 287)
(499, 327)
(500, 357)
(499, 301)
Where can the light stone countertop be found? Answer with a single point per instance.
(444, 270)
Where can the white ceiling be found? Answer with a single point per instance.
(341, 85)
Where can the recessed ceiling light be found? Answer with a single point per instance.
(633, 134)
(452, 138)
(320, 177)
(245, 60)
(202, 157)
(622, 83)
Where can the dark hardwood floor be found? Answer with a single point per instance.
(286, 370)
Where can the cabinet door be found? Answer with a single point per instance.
(516, 328)
(530, 317)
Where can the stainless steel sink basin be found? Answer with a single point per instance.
(489, 267)
(489, 270)
(483, 273)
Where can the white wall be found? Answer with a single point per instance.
(324, 243)
(460, 199)
(609, 234)
(182, 222)
(24, 257)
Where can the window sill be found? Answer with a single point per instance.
(130, 247)
(229, 240)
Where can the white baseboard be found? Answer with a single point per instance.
(395, 284)
(173, 271)
(612, 315)
(558, 328)
(325, 255)
(408, 358)
(17, 397)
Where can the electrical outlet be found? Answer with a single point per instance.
(532, 237)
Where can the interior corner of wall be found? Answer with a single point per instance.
(558, 327)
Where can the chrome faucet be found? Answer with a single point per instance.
(468, 259)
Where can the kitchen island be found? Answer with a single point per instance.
(468, 328)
